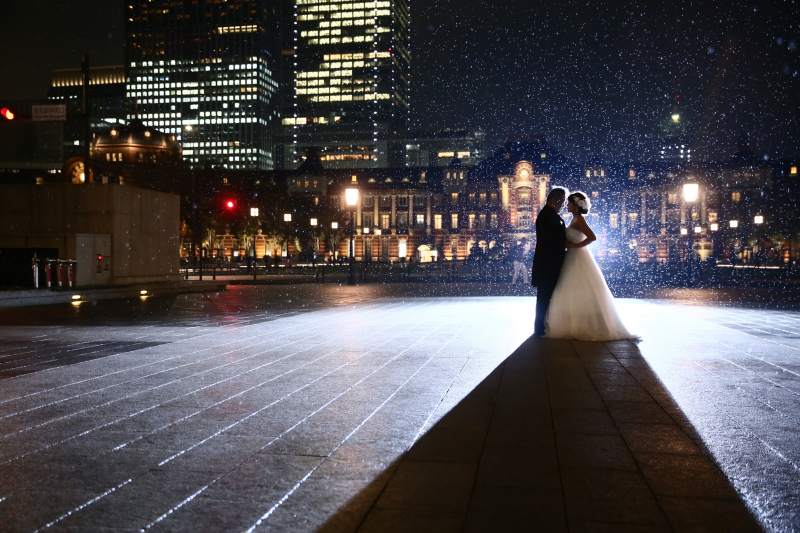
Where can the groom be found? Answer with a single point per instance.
(551, 239)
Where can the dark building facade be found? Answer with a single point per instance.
(205, 71)
(351, 82)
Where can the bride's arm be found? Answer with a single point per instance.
(584, 228)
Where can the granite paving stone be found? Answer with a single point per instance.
(370, 408)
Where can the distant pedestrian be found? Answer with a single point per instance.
(518, 261)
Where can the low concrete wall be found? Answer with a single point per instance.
(142, 224)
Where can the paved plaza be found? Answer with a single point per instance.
(376, 409)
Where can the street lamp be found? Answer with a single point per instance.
(254, 212)
(351, 199)
(691, 193)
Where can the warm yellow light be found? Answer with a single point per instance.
(758, 219)
(691, 191)
(714, 226)
(793, 170)
(366, 231)
(351, 196)
(188, 127)
(334, 225)
(144, 292)
(76, 297)
(676, 118)
(254, 212)
(734, 224)
(287, 217)
(314, 222)
(698, 229)
(113, 133)
(147, 134)
(684, 231)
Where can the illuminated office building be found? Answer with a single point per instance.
(203, 71)
(351, 80)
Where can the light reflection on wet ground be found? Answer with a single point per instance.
(735, 372)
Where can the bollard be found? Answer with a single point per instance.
(48, 273)
(59, 264)
(71, 268)
(35, 267)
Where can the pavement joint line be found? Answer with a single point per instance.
(229, 398)
(271, 404)
(737, 423)
(150, 389)
(284, 433)
(129, 416)
(302, 420)
(56, 402)
(647, 482)
(35, 363)
(141, 411)
(82, 506)
(418, 434)
(308, 474)
(213, 331)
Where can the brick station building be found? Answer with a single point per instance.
(427, 214)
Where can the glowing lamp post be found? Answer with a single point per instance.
(691, 193)
(351, 199)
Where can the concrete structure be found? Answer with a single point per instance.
(117, 234)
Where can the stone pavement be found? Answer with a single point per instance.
(346, 408)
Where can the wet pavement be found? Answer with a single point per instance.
(344, 408)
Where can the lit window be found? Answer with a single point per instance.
(454, 197)
(420, 219)
(793, 170)
(736, 197)
(454, 220)
(437, 221)
(613, 220)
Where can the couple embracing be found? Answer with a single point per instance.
(573, 300)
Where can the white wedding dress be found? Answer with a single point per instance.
(582, 307)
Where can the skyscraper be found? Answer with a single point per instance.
(351, 74)
(204, 71)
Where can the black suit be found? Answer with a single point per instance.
(551, 239)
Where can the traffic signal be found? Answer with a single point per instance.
(7, 114)
(230, 204)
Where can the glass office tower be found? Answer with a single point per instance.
(351, 73)
(203, 70)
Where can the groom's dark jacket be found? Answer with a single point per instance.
(551, 239)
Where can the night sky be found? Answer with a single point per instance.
(596, 78)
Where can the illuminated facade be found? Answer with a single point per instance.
(203, 71)
(350, 82)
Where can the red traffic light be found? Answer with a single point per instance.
(7, 114)
(230, 204)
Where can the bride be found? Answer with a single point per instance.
(582, 307)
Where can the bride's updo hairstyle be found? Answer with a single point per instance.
(581, 201)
